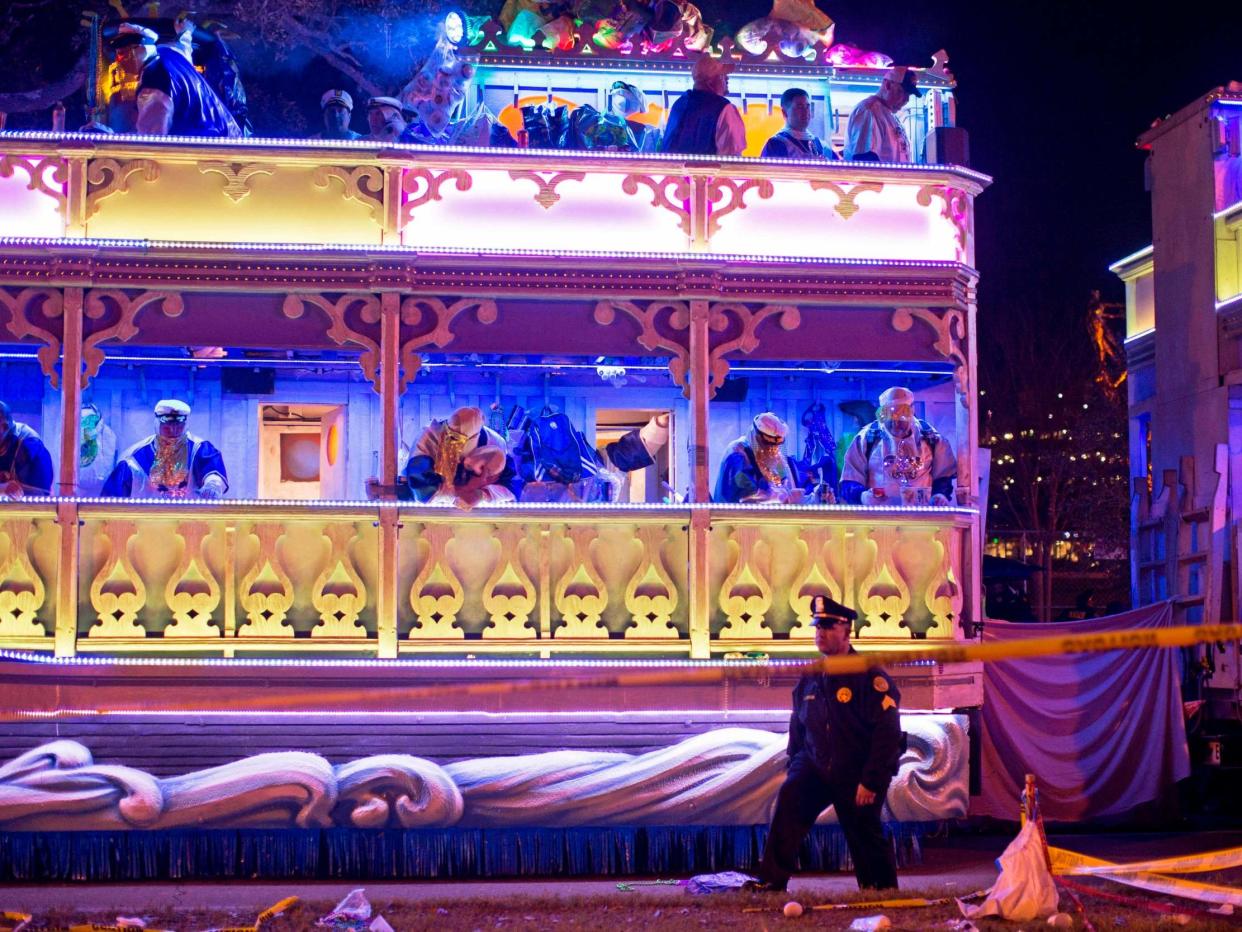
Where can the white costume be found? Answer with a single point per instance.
(919, 461)
(875, 128)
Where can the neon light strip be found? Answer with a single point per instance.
(1231, 209)
(1141, 334)
(1228, 302)
(482, 663)
(672, 510)
(1143, 253)
(353, 251)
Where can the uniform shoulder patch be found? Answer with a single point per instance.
(887, 704)
(880, 684)
(844, 694)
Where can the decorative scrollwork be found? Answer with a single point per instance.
(21, 326)
(117, 592)
(266, 592)
(125, 328)
(238, 176)
(950, 329)
(788, 316)
(37, 170)
(106, 177)
(423, 184)
(364, 184)
(847, 196)
(339, 594)
(423, 312)
(545, 194)
(746, 594)
(339, 331)
(650, 595)
(192, 592)
(945, 597)
(21, 589)
(736, 190)
(883, 594)
(437, 595)
(955, 207)
(678, 204)
(581, 594)
(509, 593)
(814, 577)
(650, 337)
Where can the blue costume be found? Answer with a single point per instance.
(136, 472)
(785, 145)
(197, 110)
(24, 459)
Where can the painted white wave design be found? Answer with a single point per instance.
(728, 776)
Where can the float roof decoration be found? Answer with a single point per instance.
(801, 37)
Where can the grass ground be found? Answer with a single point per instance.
(667, 910)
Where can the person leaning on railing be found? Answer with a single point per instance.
(796, 141)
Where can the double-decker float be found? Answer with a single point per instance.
(484, 456)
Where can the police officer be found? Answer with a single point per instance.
(844, 743)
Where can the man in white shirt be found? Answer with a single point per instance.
(702, 121)
(874, 134)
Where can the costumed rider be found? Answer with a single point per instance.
(96, 450)
(817, 469)
(385, 119)
(755, 469)
(338, 108)
(459, 460)
(556, 463)
(173, 98)
(25, 464)
(628, 102)
(874, 134)
(171, 463)
(898, 458)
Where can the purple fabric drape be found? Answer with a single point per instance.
(1102, 732)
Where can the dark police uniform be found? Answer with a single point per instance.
(845, 730)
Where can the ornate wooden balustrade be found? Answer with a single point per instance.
(360, 194)
(382, 580)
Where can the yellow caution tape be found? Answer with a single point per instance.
(1069, 862)
(1183, 636)
(1186, 864)
(275, 910)
(907, 903)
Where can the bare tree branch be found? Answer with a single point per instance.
(43, 97)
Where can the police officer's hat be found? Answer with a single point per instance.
(825, 612)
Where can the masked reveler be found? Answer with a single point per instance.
(171, 463)
(97, 451)
(898, 458)
(755, 468)
(459, 460)
(25, 464)
(171, 97)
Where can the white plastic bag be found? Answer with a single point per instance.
(353, 908)
(1025, 889)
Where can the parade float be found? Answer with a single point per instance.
(298, 679)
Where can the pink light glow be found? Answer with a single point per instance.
(24, 212)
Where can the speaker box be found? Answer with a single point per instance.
(948, 145)
(247, 381)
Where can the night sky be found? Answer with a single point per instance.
(1054, 96)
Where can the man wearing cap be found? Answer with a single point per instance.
(337, 107)
(702, 121)
(845, 741)
(171, 463)
(386, 119)
(459, 460)
(796, 141)
(874, 134)
(25, 464)
(898, 458)
(172, 98)
(755, 469)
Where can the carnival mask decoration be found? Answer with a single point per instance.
(767, 433)
(91, 420)
(460, 432)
